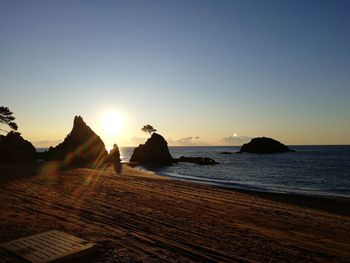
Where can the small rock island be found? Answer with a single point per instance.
(154, 152)
(264, 145)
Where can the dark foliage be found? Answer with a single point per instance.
(148, 129)
(6, 117)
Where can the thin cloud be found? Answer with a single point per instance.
(236, 140)
(186, 141)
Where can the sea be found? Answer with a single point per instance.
(311, 170)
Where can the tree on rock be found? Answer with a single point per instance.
(148, 129)
(7, 118)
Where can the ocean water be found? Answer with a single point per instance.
(312, 170)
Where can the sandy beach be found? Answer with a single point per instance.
(138, 216)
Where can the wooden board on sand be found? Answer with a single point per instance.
(50, 246)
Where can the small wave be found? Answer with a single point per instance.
(251, 187)
(224, 183)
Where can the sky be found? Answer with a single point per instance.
(201, 72)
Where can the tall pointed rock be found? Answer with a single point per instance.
(81, 146)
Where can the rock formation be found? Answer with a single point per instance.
(264, 145)
(80, 147)
(114, 155)
(15, 149)
(154, 152)
(196, 160)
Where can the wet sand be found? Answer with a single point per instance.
(139, 216)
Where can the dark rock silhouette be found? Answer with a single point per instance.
(196, 160)
(114, 155)
(43, 156)
(226, 153)
(15, 149)
(80, 147)
(154, 152)
(264, 145)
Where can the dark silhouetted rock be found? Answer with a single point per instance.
(15, 149)
(226, 153)
(81, 147)
(264, 145)
(114, 155)
(196, 160)
(154, 152)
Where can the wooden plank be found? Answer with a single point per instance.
(49, 246)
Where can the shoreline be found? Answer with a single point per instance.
(333, 204)
(138, 216)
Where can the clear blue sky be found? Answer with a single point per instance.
(207, 69)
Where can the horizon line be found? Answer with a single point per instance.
(181, 146)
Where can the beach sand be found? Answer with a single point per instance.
(138, 216)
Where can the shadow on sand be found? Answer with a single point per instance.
(118, 167)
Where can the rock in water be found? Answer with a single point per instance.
(264, 145)
(15, 149)
(81, 147)
(154, 152)
(114, 155)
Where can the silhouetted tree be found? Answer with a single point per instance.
(148, 129)
(7, 118)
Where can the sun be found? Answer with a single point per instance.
(112, 123)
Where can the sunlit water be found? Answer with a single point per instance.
(314, 170)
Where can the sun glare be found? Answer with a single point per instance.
(112, 123)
